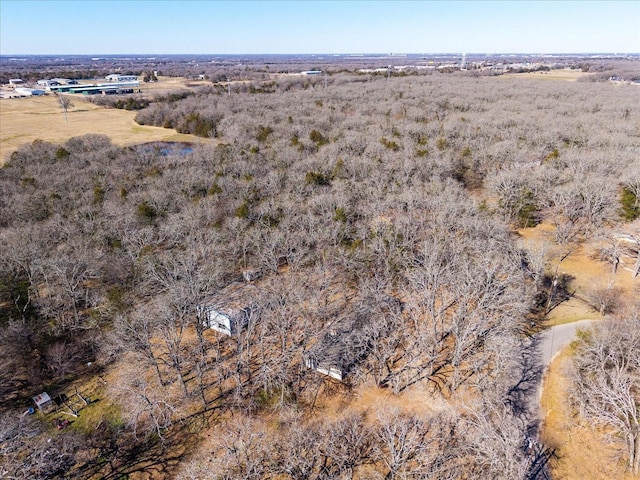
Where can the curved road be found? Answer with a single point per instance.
(556, 338)
(551, 341)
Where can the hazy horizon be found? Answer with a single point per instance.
(103, 55)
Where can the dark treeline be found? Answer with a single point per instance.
(380, 209)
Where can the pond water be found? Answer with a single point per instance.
(166, 148)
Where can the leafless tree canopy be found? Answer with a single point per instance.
(608, 378)
(374, 216)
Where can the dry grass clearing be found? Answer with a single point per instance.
(582, 453)
(566, 75)
(586, 270)
(24, 120)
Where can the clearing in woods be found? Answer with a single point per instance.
(24, 120)
(580, 264)
(581, 451)
(566, 74)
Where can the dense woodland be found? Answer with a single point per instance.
(379, 210)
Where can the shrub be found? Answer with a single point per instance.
(316, 137)
(317, 178)
(528, 214)
(214, 189)
(338, 169)
(340, 215)
(132, 103)
(242, 211)
(24, 181)
(62, 153)
(390, 144)
(422, 140)
(146, 213)
(98, 195)
(553, 155)
(263, 133)
(442, 143)
(630, 205)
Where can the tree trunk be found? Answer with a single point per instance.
(635, 455)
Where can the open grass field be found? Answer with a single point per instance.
(23, 120)
(565, 74)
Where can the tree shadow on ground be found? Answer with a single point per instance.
(119, 453)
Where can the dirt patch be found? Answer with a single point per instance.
(581, 452)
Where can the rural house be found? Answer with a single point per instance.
(344, 345)
(348, 341)
(230, 309)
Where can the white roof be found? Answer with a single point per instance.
(42, 399)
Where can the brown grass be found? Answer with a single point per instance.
(565, 75)
(587, 271)
(24, 120)
(582, 452)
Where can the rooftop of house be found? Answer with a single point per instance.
(235, 296)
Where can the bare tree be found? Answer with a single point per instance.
(409, 445)
(66, 104)
(607, 364)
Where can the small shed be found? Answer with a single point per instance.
(43, 402)
(231, 309)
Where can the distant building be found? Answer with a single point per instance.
(43, 402)
(16, 81)
(48, 83)
(28, 92)
(311, 72)
(65, 81)
(116, 77)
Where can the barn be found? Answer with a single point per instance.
(116, 77)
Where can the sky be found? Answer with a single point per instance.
(271, 27)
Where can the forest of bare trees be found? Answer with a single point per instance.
(378, 217)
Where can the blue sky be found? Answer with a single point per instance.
(230, 27)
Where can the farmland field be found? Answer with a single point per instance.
(24, 120)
